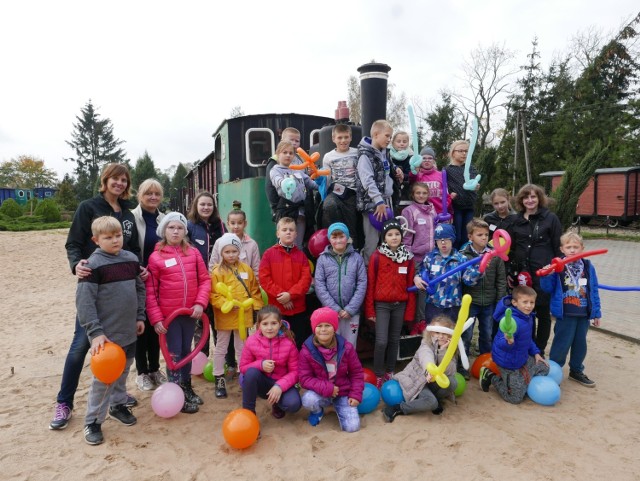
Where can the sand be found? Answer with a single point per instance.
(589, 434)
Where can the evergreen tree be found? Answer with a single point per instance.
(178, 184)
(95, 145)
(144, 169)
(446, 125)
(66, 196)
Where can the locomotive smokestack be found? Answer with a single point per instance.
(373, 94)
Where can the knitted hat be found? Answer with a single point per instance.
(445, 231)
(391, 224)
(338, 226)
(229, 239)
(324, 314)
(170, 217)
(426, 150)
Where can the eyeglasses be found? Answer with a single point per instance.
(463, 151)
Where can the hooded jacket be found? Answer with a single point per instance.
(514, 356)
(420, 218)
(229, 321)
(314, 376)
(448, 292)
(341, 280)
(176, 280)
(280, 349)
(374, 185)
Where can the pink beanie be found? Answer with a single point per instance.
(324, 314)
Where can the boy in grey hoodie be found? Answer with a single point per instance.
(110, 303)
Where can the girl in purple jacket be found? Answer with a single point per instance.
(331, 372)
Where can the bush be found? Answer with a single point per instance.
(30, 206)
(48, 209)
(11, 208)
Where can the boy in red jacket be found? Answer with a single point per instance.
(285, 276)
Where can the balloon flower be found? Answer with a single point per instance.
(507, 324)
(416, 158)
(230, 303)
(310, 163)
(469, 183)
(501, 244)
(557, 264)
(437, 372)
(288, 187)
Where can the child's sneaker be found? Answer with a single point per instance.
(379, 382)
(61, 417)
(277, 412)
(131, 401)
(315, 418)
(93, 434)
(581, 378)
(388, 376)
(158, 377)
(486, 375)
(122, 413)
(221, 387)
(389, 413)
(144, 382)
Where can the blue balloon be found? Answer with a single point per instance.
(370, 399)
(555, 372)
(392, 393)
(543, 390)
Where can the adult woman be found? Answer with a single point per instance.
(115, 185)
(463, 200)
(148, 217)
(203, 229)
(535, 240)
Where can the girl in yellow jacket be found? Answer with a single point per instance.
(235, 294)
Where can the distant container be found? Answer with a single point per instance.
(613, 193)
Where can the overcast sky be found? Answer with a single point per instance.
(167, 73)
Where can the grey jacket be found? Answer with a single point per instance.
(112, 298)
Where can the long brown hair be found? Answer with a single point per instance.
(193, 215)
(525, 190)
(270, 310)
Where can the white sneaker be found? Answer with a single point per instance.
(158, 377)
(145, 383)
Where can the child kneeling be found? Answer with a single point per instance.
(331, 371)
(420, 391)
(517, 356)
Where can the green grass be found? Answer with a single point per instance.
(15, 226)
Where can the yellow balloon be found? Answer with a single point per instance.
(437, 372)
(227, 306)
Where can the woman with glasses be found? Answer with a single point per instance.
(463, 200)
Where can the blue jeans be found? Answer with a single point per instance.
(73, 365)
(179, 339)
(461, 217)
(347, 415)
(484, 314)
(256, 383)
(570, 333)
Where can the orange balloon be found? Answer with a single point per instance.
(484, 360)
(108, 365)
(240, 428)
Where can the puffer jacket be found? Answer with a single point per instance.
(420, 218)
(341, 281)
(514, 356)
(492, 286)
(314, 376)
(385, 283)
(413, 378)
(433, 179)
(448, 292)
(553, 285)
(229, 321)
(176, 280)
(282, 271)
(280, 349)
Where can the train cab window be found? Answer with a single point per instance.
(20, 194)
(259, 146)
(48, 194)
(314, 137)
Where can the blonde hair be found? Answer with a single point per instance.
(105, 225)
(500, 192)
(569, 236)
(282, 145)
(455, 146)
(112, 171)
(400, 132)
(380, 125)
(283, 221)
(290, 130)
(147, 186)
(422, 185)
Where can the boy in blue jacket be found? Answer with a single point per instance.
(575, 301)
(517, 356)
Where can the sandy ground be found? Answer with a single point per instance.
(589, 434)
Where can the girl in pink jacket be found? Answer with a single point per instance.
(178, 278)
(331, 372)
(269, 365)
(430, 175)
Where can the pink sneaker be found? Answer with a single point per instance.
(379, 382)
(388, 376)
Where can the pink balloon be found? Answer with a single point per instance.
(167, 400)
(198, 363)
(317, 242)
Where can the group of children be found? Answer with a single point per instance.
(317, 350)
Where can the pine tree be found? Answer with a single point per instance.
(95, 146)
(66, 196)
(446, 126)
(144, 169)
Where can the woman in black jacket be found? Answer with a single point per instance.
(535, 240)
(115, 186)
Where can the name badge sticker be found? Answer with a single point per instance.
(422, 222)
(402, 270)
(170, 262)
(582, 281)
(244, 275)
(492, 227)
